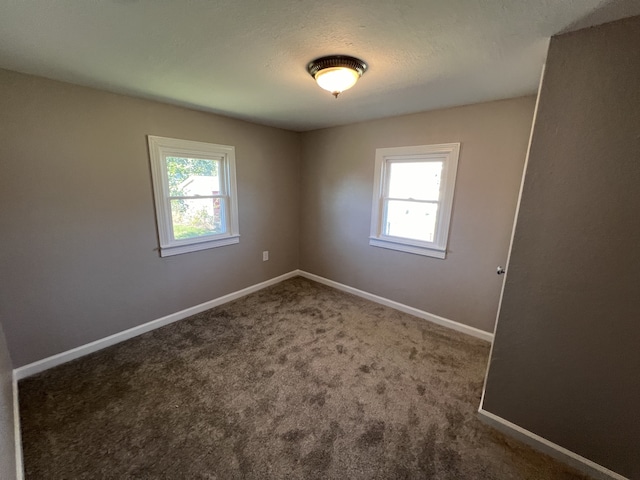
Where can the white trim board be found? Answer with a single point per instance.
(561, 453)
(513, 228)
(444, 322)
(545, 446)
(64, 357)
(17, 433)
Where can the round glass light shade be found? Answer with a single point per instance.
(337, 79)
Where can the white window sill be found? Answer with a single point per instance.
(199, 245)
(408, 247)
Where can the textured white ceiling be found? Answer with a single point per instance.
(247, 58)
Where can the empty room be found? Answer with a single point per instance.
(319, 240)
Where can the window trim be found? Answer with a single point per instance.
(448, 153)
(162, 147)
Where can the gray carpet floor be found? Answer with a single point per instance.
(296, 381)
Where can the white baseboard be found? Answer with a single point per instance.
(445, 322)
(550, 448)
(545, 446)
(17, 433)
(64, 357)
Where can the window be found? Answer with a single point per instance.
(194, 187)
(413, 197)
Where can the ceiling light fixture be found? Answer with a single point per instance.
(337, 73)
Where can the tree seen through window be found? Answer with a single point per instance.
(197, 202)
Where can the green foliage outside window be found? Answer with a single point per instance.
(193, 217)
(179, 169)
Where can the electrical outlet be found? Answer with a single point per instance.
(265, 255)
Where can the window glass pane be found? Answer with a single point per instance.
(411, 220)
(197, 217)
(418, 180)
(189, 177)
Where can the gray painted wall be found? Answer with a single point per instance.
(7, 443)
(566, 357)
(78, 251)
(78, 248)
(337, 188)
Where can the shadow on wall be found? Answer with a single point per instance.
(609, 12)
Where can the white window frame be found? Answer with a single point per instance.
(162, 147)
(447, 153)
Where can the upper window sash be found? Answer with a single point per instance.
(388, 161)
